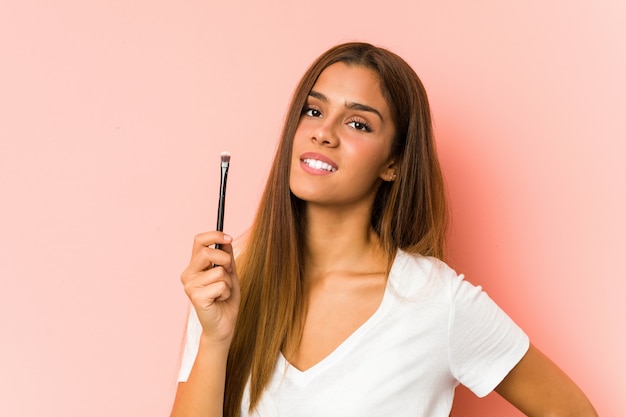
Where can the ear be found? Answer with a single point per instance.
(389, 172)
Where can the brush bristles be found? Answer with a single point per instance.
(225, 156)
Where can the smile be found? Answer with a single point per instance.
(317, 164)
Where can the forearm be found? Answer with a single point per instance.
(203, 393)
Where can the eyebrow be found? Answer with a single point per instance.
(349, 104)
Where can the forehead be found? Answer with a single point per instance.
(351, 83)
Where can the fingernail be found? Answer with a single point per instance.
(227, 237)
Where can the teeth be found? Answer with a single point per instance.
(317, 164)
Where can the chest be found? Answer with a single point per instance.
(333, 314)
(396, 363)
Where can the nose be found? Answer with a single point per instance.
(326, 134)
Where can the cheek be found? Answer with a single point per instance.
(372, 156)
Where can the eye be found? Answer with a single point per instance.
(311, 112)
(360, 125)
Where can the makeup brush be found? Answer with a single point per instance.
(225, 162)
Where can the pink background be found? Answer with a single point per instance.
(113, 115)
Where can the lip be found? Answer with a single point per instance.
(319, 157)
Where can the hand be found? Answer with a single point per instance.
(212, 285)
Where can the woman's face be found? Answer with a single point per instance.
(343, 141)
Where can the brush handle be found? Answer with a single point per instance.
(222, 200)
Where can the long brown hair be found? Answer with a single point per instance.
(408, 214)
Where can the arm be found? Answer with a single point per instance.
(203, 393)
(214, 293)
(538, 388)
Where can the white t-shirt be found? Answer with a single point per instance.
(432, 331)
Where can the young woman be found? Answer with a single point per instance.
(339, 304)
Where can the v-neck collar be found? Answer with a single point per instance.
(302, 378)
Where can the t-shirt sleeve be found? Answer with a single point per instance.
(485, 343)
(192, 342)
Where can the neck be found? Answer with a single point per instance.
(341, 240)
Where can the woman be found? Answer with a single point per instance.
(338, 304)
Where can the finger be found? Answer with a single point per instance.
(203, 270)
(204, 297)
(207, 258)
(214, 284)
(203, 240)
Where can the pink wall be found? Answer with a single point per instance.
(113, 114)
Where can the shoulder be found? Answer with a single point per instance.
(413, 272)
(415, 263)
(414, 275)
